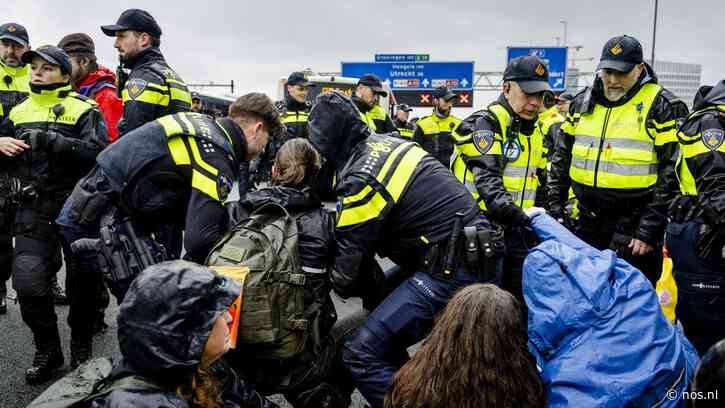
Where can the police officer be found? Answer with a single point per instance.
(563, 102)
(14, 87)
(152, 89)
(196, 104)
(548, 124)
(367, 93)
(433, 132)
(405, 129)
(293, 111)
(696, 234)
(58, 133)
(396, 201)
(177, 170)
(618, 152)
(500, 157)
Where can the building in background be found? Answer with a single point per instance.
(680, 78)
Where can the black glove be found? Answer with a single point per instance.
(38, 140)
(515, 216)
(559, 213)
(683, 208)
(236, 212)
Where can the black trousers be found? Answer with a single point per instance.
(700, 287)
(37, 258)
(7, 218)
(613, 230)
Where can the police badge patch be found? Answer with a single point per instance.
(512, 150)
(135, 87)
(713, 138)
(224, 186)
(483, 140)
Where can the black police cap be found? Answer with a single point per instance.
(298, 78)
(373, 82)
(52, 55)
(404, 107)
(14, 32)
(136, 20)
(621, 54)
(442, 92)
(529, 72)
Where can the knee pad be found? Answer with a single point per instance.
(31, 275)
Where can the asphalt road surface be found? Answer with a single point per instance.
(16, 350)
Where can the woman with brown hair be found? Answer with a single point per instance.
(476, 356)
(316, 377)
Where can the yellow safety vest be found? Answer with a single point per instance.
(525, 156)
(14, 88)
(369, 117)
(612, 147)
(38, 108)
(548, 118)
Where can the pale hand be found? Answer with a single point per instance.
(10, 146)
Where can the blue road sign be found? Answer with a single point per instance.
(415, 75)
(554, 57)
(402, 57)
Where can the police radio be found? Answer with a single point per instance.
(121, 78)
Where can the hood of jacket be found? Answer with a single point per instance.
(102, 74)
(336, 128)
(596, 328)
(709, 96)
(167, 316)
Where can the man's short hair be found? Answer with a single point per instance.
(257, 106)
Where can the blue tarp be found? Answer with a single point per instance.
(596, 328)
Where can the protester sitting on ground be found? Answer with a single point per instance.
(709, 378)
(475, 356)
(596, 327)
(317, 374)
(173, 328)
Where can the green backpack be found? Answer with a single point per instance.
(274, 324)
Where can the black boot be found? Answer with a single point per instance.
(59, 297)
(45, 364)
(80, 352)
(3, 297)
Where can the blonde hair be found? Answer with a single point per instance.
(296, 164)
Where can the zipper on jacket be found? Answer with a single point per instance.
(526, 176)
(601, 144)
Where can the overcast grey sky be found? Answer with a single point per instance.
(257, 42)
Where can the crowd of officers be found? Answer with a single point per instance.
(619, 163)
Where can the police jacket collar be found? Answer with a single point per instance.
(527, 126)
(144, 57)
(439, 115)
(49, 94)
(13, 71)
(239, 142)
(400, 124)
(361, 105)
(293, 106)
(648, 76)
